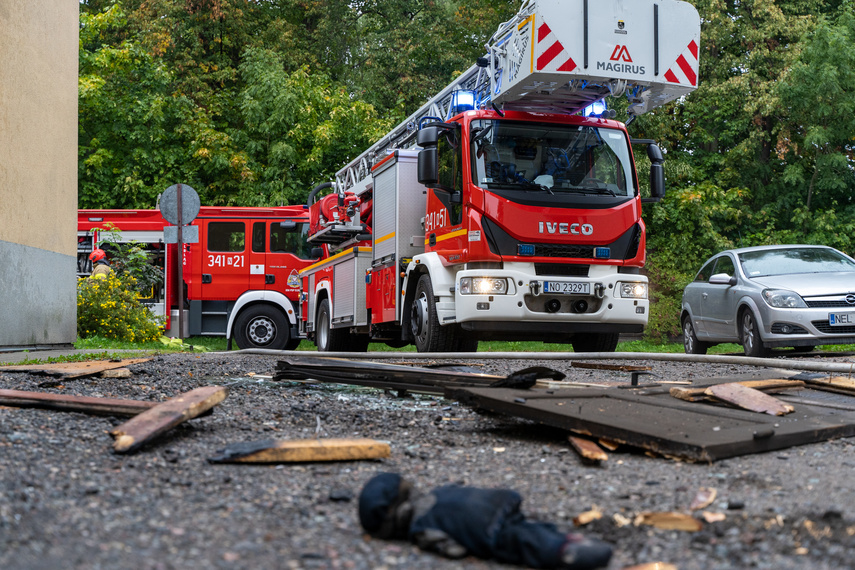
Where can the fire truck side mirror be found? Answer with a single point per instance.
(428, 166)
(317, 252)
(657, 182)
(654, 153)
(657, 173)
(427, 136)
(288, 225)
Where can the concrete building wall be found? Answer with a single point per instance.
(38, 172)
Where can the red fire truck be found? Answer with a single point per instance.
(508, 206)
(240, 279)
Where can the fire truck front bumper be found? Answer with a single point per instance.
(603, 301)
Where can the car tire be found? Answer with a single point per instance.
(329, 339)
(262, 326)
(596, 342)
(691, 344)
(752, 344)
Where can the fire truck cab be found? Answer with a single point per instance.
(240, 278)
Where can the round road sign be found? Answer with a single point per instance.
(189, 204)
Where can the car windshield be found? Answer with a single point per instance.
(551, 158)
(787, 261)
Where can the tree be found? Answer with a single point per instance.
(819, 93)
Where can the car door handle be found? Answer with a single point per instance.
(705, 295)
(269, 279)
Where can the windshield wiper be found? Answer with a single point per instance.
(535, 186)
(593, 190)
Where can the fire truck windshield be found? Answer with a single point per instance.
(550, 158)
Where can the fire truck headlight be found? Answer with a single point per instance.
(633, 290)
(483, 286)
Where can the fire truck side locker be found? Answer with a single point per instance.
(399, 206)
(343, 275)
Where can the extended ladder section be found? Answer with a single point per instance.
(559, 56)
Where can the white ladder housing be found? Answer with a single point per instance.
(559, 56)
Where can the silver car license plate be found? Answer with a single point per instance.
(841, 319)
(567, 287)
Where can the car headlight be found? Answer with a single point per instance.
(633, 290)
(483, 286)
(783, 299)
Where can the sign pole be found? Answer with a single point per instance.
(180, 267)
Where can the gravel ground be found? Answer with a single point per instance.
(66, 501)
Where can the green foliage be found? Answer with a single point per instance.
(108, 307)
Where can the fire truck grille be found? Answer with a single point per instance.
(564, 250)
(564, 269)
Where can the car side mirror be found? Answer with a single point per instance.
(722, 279)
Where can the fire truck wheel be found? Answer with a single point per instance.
(261, 326)
(596, 342)
(329, 339)
(428, 334)
(463, 341)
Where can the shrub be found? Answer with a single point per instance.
(109, 308)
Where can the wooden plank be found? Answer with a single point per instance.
(73, 369)
(587, 449)
(669, 521)
(303, 450)
(616, 367)
(143, 428)
(656, 422)
(773, 385)
(69, 403)
(749, 399)
(837, 384)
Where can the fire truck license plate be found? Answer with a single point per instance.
(841, 319)
(567, 287)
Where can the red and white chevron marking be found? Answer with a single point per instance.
(683, 70)
(553, 57)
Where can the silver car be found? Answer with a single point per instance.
(771, 296)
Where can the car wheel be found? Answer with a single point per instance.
(427, 333)
(596, 342)
(262, 326)
(691, 344)
(751, 342)
(329, 339)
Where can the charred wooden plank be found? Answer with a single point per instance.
(146, 426)
(396, 377)
(69, 403)
(749, 399)
(656, 422)
(697, 394)
(587, 449)
(303, 450)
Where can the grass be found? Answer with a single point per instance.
(113, 348)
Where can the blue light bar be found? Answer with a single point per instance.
(602, 252)
(461, 101)
(595, 109)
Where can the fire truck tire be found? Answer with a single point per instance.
(596, 342)
(429, 336)
(464, 342)
(329, 339)
(262, 326)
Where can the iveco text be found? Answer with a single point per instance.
(565, 228)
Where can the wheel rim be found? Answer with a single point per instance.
(323, 331)
(748, 332)
(418, 318)
(261, 330)
(688, 337)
